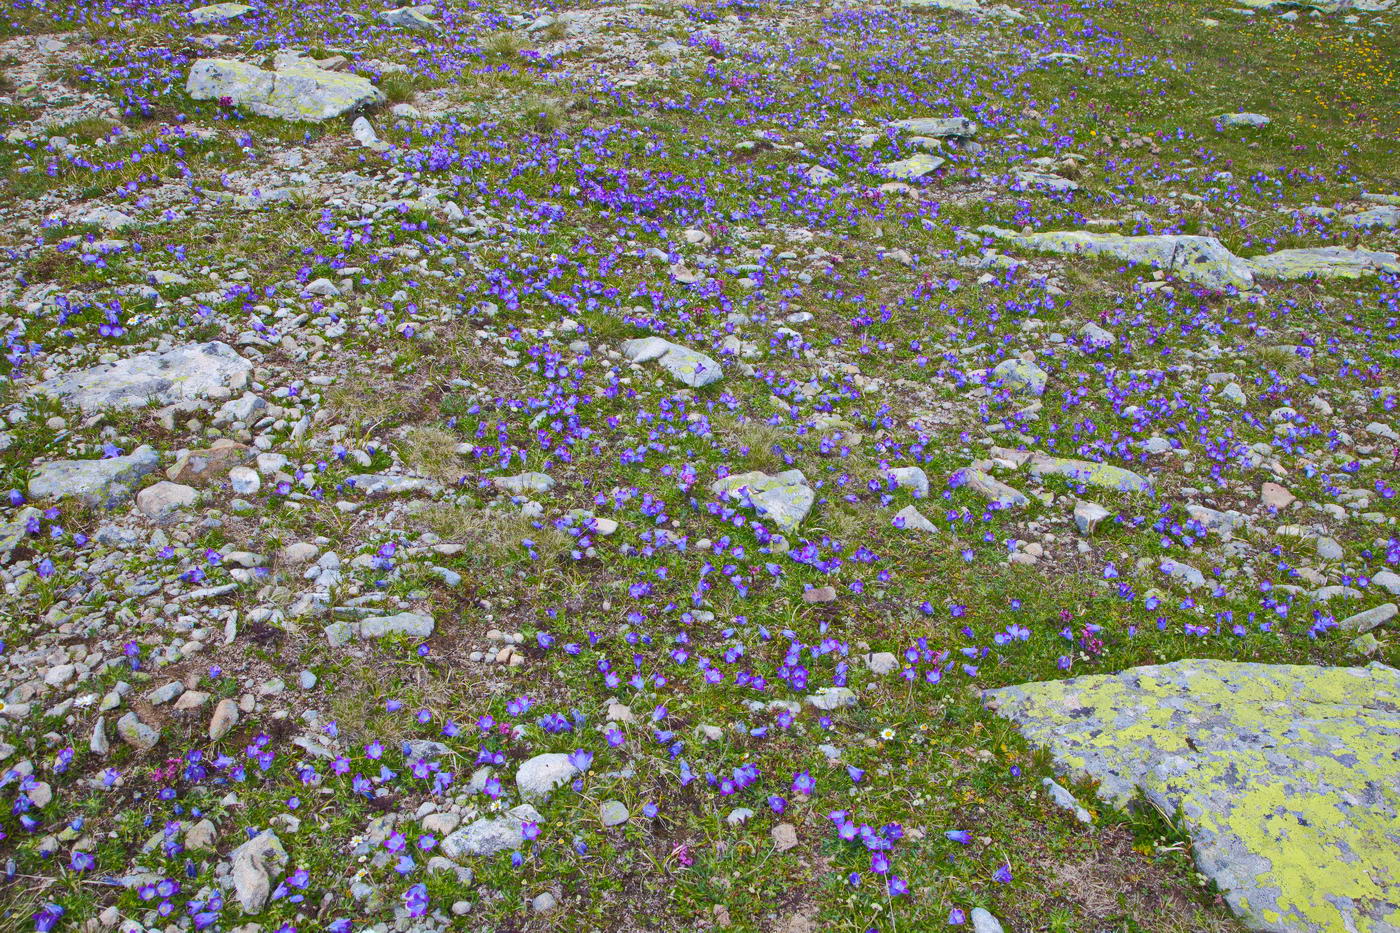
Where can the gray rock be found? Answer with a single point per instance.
(1096, 336)
(136, 733)
(1027, 179)
(253, 867)
(1088, 516)
(364, 134)
(739, 816)
(1200, 259)
(983, 922)
(244, 481)
(917, 166)
(1020, 376)
(1065, 801)
(937, 127)
(106, 483)
(685, 365)
(1387, 216)
(911, 478)
(785, 497)
(413, 624)
(830, 699)
(411, 17)
(1324, 262)
(613, 813)
(912, 518)
(295, 91)
(1101, 475)
(490, 835)
(1329, 549)
(216, 13)
(1284, 776)
(339, 634)
(1371, 618)
(525, 483)
(166, 377)
(1242, 120)
(989, 488)
(162, 695)
(162, 501)
(882, 662)
(97, 742)
(1183, 572)
(1388, 581)
(540, 776)
(376, 484)
(543, 903)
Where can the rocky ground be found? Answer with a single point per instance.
(756, 465)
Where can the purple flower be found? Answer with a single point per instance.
(415, 900)
(1003, 873)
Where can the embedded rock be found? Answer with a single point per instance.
(540, 776)
(1102, 475)
(1200, 259)
(1323, 262)
(295, 91)
(216, 13)
(989, 488)
(938, 127)
(412, 624)
(164, 377)
(165, 499)
(105, 483)
(685, 365)
(785, 497)
(1285, 776)
(1020, 376)
(253, 867)
(491, 835)
(525, 483)
(913, 168)
(910, 517)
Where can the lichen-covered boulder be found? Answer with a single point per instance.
(1324, 262)
(1020, 376)
(105, 483)
(913, 168)
(164, 377)
(785, 497)
(295, 91)
(1200, 259)
(216, 13)
(989, 488)
(1286, 777)
(687, 366)
(1102, 475)
(938, 127)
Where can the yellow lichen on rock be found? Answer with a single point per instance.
(1287, 777)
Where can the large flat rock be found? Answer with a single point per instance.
(295, 91)
(181, 374)
(1286, 777)
(1200, 259)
